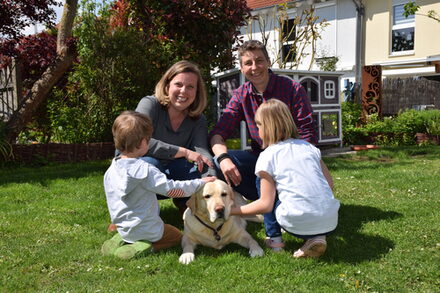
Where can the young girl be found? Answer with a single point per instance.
(295, 184)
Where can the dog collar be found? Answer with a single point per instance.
(215, 231)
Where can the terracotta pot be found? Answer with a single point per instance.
(364, 147)
(424, 138)
(421, 137)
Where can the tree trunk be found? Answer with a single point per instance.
(42, 87)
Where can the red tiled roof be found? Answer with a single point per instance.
(253, 4)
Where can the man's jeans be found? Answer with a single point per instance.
(245, 162)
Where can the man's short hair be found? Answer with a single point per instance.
(129, 129)
(252, 45)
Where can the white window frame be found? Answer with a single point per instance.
(407, 24)
(330, 92)
(291, 13)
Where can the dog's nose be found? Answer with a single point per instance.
(220, 210)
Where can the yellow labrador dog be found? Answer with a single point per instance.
(207, 221)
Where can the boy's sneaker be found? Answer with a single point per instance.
(129, 251)
(109, 247)
(275, 245)
(314, 247)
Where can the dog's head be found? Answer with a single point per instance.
(213, 201)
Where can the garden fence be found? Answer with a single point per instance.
(10, 90)
(409, 93)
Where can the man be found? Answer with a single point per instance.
(238, 166)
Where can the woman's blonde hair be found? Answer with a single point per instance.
(129, 129)
(276, 121)
(161, 91)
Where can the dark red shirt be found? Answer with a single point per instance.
(245, 101)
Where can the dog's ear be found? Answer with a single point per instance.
(191, 203)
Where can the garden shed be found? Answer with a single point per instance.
(323, 88)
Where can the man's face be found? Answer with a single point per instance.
(254, 66)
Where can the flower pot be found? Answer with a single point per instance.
(421, 138)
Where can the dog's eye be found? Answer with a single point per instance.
(224, 194)
(207, 196)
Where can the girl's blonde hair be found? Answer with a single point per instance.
(276, 121)
(161, 91)
(129, 129)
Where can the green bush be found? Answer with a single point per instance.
(410, 121)
(114, 72)
(432, 122)
(393, 131)
(351, 114)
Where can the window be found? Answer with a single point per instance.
(329, 89)
(288, 35)
(311, 87)
(329, 125)
(402, 35)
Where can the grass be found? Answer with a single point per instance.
(53, 221)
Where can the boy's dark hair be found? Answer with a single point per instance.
(129, 129)
(252, 45)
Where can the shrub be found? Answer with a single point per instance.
(432, 122)
(351, 120)
(393, 131)
(114, 72)
(410, 121)
(351, 114)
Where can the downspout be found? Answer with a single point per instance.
(360, 12)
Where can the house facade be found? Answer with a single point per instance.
(358, 33)
(337, 38)
(403, 47)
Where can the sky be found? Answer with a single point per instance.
(30, 30)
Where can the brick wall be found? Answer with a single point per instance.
(57, 152)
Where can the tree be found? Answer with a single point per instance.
(295, 34)
(411, 8)
(15, 15)
(203, 30)
(64, 59)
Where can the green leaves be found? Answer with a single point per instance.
(410, 9)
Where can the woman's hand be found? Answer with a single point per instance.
(198, 159)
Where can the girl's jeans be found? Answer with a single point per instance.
(273, 229)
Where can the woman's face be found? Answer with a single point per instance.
(182, 90)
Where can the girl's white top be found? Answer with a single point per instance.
(307, 206)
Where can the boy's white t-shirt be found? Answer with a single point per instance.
(131, 186)
(307, 206)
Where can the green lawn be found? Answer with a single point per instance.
(53, 220)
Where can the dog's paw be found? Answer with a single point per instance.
(256, 251)
(186, 258)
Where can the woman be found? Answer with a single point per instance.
(179, 145)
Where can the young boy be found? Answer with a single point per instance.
(131, 185)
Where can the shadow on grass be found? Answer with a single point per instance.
(44, 174)
(170, 214)
(347, 244)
